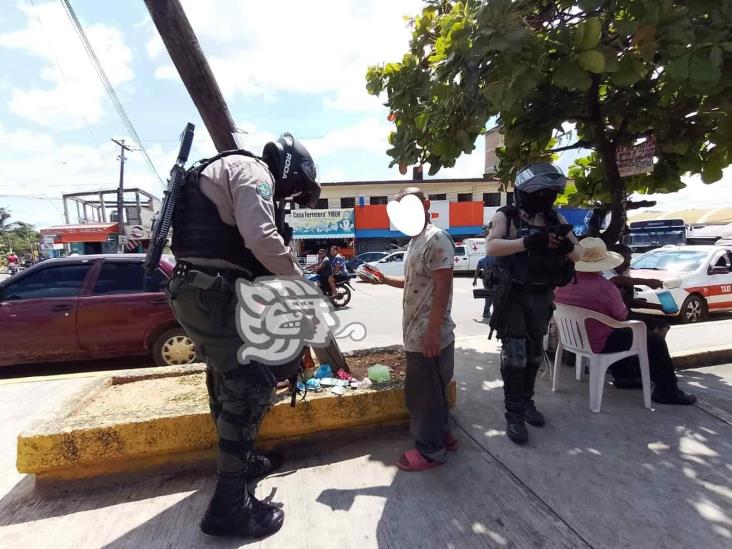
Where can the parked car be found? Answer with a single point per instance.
(391, 264)
(366, 257)
(90, 307)
(699, 278)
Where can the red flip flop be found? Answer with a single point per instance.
(451, 443)
(412, 460)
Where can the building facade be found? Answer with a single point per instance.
(460, 206)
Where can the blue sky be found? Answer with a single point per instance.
(289, 65)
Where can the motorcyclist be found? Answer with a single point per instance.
(536, 250)
(338, 262)
(12, 260)
(324, 270)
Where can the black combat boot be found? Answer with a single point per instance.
(513, 372)
(532, 416)
(515, 427)
(263, 464)
(234, 511)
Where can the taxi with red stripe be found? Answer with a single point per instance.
(698, 277)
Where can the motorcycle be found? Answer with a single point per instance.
(343, 288)
(13, 269)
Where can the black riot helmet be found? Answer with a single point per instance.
(537, 187)
(293, 170)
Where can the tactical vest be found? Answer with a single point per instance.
(543, 268)
(199, 232)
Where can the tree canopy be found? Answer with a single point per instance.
(19, 237)
(615, 70)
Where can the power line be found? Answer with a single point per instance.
(108, 86)
(63, 73)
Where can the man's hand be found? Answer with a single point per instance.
(431, 342)
(475, 282)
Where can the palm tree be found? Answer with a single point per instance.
(4, 216)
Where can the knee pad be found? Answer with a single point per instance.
(535, 353)
(514, 353)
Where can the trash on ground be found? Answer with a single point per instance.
(333, 382)
(378, 373)
(342, 374)
(338, 390)
(323, 371)
(313, 384)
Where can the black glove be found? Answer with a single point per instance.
(536, 242)
(565, 246)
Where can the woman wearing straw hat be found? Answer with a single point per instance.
(594, 292)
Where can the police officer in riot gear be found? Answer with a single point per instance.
(228, 224)
(536, 253)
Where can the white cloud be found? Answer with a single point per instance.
(73, 92)
(320, 47)
(71, 167)
(368, 135)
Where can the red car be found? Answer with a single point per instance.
(90, 307)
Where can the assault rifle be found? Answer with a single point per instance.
(161, 225)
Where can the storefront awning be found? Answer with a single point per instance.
(86, 232)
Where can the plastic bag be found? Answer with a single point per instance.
(378, 373)
(342, 374)
(325, 370)
(313, 384)
(333, 382)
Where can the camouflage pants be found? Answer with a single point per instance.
(239, 395)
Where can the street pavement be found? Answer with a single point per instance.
(626, 477)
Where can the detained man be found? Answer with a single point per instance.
(427, 328)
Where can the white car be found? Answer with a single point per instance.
(704, 273)
(391, 265)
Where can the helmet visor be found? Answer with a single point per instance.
(309, 169)
(540, 176)
(538, 170)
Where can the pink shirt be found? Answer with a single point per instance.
(594, 292)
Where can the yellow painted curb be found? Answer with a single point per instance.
(60, 448)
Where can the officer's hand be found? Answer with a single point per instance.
(475, 282)
(537, 241)
(562, 245)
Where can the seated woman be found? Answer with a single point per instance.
(594, 292)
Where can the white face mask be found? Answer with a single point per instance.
(407, 215)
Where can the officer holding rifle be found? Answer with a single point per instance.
(227, 216)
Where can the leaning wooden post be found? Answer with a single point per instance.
(195, 72)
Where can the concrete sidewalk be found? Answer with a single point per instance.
(627, 477)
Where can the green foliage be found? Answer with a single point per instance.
(617, 69)
(19, 237)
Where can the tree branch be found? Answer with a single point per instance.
(578, 145)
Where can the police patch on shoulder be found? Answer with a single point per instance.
(264, 190)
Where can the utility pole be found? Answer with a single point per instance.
(121, 194)
(194, 70)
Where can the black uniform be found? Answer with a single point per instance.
(523, 305)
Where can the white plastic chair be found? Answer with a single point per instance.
(573, 337)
